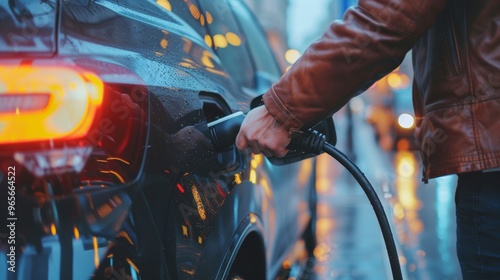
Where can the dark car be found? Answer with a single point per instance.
(108, 169)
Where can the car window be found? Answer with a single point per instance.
(228, 41)
(260, 50)
(189, 12)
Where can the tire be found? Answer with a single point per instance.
(249, 263)
(309, 234)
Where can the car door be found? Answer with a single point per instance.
(291, 184)
(251, 61)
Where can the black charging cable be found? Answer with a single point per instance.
(223, 133)
(315, 142)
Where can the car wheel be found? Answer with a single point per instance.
(249, 263)
(244, 270)
(309, 234)
(118, 264)
(239, 272)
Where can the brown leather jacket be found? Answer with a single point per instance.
(456, 59)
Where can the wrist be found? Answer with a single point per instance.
(275, 107)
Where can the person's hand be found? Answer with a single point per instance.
(262, 134)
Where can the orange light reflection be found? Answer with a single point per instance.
(76, 233)
(74, 98)
(406, 187)
(96, 252)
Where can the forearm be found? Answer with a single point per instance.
(370, 41)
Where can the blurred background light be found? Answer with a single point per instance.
(292, 55)
(406, 120)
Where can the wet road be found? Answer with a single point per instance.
(422, 216)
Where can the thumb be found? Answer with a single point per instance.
(241, 142)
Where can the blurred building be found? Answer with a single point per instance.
(272, 15)
(295, 24)
(308, 20)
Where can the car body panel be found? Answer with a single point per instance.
(28, 27)
(179, 210)
(156, 58)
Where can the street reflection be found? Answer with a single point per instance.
(407, 206)
(326, 177)
(445, 220)
(424, 216)
(349, 241)
(325, 224)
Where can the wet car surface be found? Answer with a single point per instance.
(120, 179)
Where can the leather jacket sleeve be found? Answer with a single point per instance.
(370, 41)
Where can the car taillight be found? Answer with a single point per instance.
(74, 130)
(72, 116)
(39, 103)
(55, 161)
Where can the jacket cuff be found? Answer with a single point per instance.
(281, 114)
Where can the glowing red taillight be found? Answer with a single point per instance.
(15, 103)
(40, 103)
